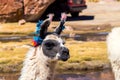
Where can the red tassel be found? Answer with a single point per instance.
(34, 43)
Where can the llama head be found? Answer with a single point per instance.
(53, 45)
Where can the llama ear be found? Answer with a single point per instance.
(44, 27)
(60, 28)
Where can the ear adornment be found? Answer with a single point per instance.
(41, 30)
(60, 28)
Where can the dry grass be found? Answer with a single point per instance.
(28, 28)
(14, 28)
(12, 55)
(84, 56)
(87, 51)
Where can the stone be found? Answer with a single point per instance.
(11, 10)
(15, 10)
(21, 22)
(34, 9)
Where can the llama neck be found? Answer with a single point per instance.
(51, 67)
(47, 66)
(37, 66)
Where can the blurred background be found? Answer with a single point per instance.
(87, 26)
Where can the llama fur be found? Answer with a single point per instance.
(37, 66)
(40, 61)
(33, 63)
(113, 45)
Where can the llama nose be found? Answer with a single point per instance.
(65, 54)
(65, 51)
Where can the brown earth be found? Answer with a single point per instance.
(97, 16)
(11, 10)
(14, 10)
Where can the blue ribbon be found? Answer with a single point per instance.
(38, 39)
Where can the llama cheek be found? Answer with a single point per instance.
(49, 53)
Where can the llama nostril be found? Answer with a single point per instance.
(64, 54)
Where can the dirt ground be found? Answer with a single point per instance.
(100, 15)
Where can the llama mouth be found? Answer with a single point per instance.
(64, 58)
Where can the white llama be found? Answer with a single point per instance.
(113, 45)
(40, 61)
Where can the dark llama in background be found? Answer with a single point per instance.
(40, 61)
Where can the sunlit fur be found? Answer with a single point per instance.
(113, 45)
(37, 66)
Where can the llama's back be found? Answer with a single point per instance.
(113, 45)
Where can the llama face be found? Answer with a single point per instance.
(53, 47)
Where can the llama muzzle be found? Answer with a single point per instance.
(64, 54)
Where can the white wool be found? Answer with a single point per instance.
(113, 45)
(34, 67)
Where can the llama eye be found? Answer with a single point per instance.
(50, 44)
